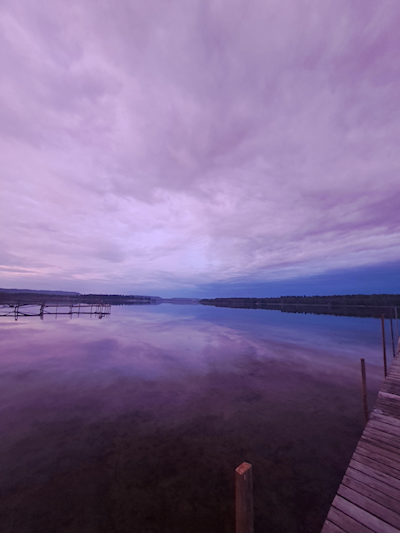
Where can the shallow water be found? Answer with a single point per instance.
(136, 422)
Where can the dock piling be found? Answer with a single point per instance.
(244, 498)
(392, 336)
(384, 344)
(364, 390)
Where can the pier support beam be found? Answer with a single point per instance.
(364, 390)
(244, 498)
(384, 345)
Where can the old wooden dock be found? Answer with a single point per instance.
(368, 499)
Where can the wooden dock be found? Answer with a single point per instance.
(18, 310)
(368, 499)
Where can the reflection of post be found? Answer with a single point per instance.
(384, 344)
(364, 390)
(244, 498)
(391, 333)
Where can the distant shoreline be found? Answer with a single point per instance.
(355, 305)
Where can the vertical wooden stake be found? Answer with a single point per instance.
(384, 344)
(397, 322)
(364, 390)
(244, 498)
(391, 333)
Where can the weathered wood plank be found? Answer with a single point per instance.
(385, 461)
(385, 398)
(386, 438)
(345, 522)
(388, 401)
(388, 395)
(384, 427)
(389, 410)
(375, 484)
(392, 386)
(381, 445)
(330, 527)
(388, 419)
(376, 474)
(372, 448)
(372, 493)
(369, 505)
(362, 516)
(376, 465)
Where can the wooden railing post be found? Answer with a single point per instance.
(384, 344)
(244, 498)
(364, 390)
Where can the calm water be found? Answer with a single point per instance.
(136, 422)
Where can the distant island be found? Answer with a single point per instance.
(357, 305)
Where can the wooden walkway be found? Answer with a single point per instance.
(368, 499)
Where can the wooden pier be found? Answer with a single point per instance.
(368, 499)
(99, 310)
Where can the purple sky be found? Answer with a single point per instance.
(161, 146)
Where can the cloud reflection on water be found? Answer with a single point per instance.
(149, 387)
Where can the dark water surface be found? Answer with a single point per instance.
(136, 422)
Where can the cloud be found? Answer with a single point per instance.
(166, 143)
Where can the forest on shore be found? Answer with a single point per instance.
(37, 297)
(359, 305)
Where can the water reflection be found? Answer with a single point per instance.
(137, 423)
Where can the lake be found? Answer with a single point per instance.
(136, 422)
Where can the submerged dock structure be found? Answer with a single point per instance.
(18, 310)
(368, 499)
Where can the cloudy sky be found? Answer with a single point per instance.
(192, 147)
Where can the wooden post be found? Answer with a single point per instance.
(397, 322)
(391, 333)
(364, 390)
(384, 344)
(244, 498)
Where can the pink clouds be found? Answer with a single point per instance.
(146, 144)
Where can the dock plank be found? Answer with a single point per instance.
(370, 505)
(372, 493)
(376, 484)
(375, 465)
(330, 527)
(368, 498)
(362, 516)
(372, 450)
(345, 522)
(376, 474)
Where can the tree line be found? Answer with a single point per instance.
(361, 305)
